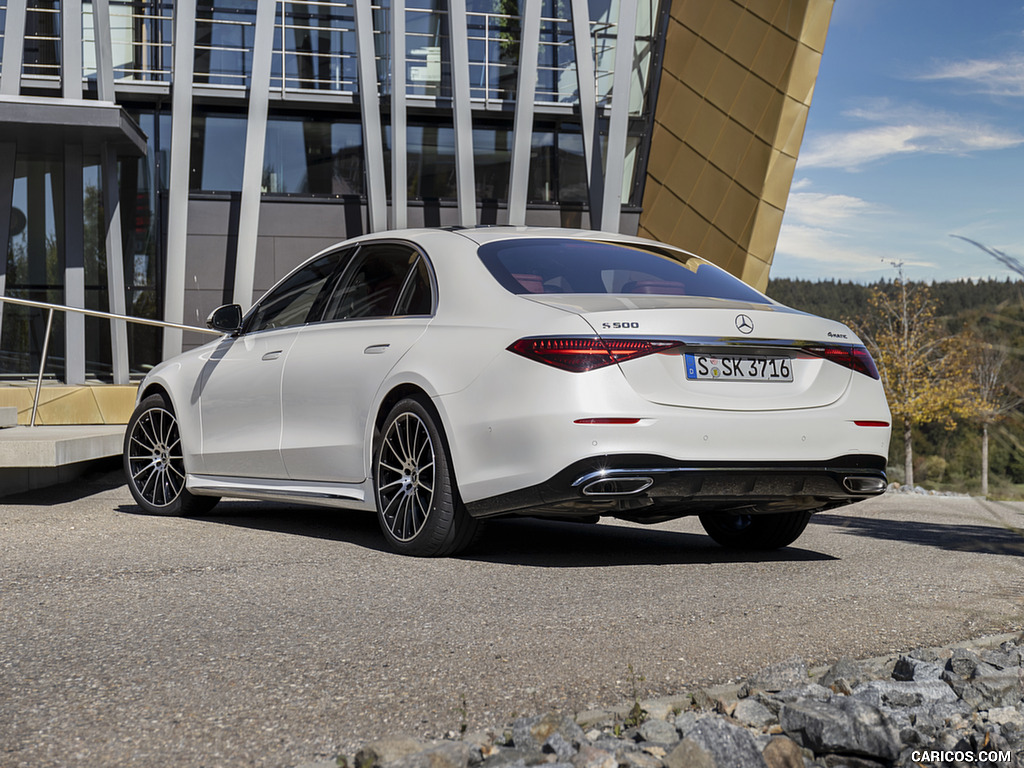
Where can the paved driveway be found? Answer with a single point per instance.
(271, 636)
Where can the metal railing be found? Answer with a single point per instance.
(90, 313)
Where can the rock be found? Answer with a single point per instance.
(387, 750)
(783, 752)
(844, 725)
(1005, 715)
(702, 700)
(1005, 688)
(532, 732)
(786, 674)
(658, 732)
(908, 668)
(753, 713)
(1000, 659)
(510, 756)
(592, 757)
(689, 754)
(811, 691)
(448, 754)
(846, 669)
(728, 744)
(636, 759)
(848, 761)
(963, 662)
(559, 747)
(894, 693)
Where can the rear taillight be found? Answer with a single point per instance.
(854, 357)
(586, 354)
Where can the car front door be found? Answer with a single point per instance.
(336, 367)
(240, 388)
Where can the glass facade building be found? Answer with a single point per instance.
(161, 158)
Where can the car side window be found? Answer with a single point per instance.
(294, 301)
(417, 298)
(377, 284)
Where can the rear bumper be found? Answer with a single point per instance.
(652, 487)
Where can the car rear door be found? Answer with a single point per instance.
(382, 304)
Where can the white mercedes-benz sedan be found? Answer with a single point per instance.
(445, 376)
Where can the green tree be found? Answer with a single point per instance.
(994, 398)
(925, 370)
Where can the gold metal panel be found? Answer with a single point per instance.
(707, 197)
(721, 23)
(738, 78)
(700, 67)
(677, 54)
(731, 148)
(691, 13)
(684, 171)
(747, 39)
(706, 128)
(726, 83)
(803, 74)
(792, 122)
(778, 179)
(775, 57)
(736, 212)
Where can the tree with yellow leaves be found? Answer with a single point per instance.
(926, 372)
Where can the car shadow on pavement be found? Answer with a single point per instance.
(555, 544)
(533, 542)
(982, 539)
(353, 526)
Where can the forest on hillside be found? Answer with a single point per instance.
(987, 316)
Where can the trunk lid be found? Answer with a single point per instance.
(736, 356)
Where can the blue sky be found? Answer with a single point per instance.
(915, 133)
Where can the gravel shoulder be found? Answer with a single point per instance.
(266, 635)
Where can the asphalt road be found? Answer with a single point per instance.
(268, 635)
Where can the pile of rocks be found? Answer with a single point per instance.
(931, 707)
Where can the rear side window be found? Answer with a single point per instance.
(383, 280)
(561, 265)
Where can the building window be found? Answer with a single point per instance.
(313, 157)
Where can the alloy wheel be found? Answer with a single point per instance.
(405, 476)
(155, 462)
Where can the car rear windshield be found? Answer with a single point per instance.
(561, 265)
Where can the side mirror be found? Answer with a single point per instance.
(226, 319)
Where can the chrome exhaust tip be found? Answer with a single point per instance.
(617, 486)
(861, 484)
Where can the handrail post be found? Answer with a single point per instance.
(42, 366)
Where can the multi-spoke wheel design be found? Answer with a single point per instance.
(154, 462)
(405, 476)
(417, 502)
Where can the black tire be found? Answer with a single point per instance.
(418, 504)
(154, 465)
(753, 532)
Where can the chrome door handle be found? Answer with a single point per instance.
(272, 355)
(376, 349)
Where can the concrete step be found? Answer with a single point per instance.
(37, 457)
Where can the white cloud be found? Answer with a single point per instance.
(814, 209)
(992, 77)
(902, 131)
(822, 236)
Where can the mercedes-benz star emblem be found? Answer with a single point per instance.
(744, 324)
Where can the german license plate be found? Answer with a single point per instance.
(738, 368)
